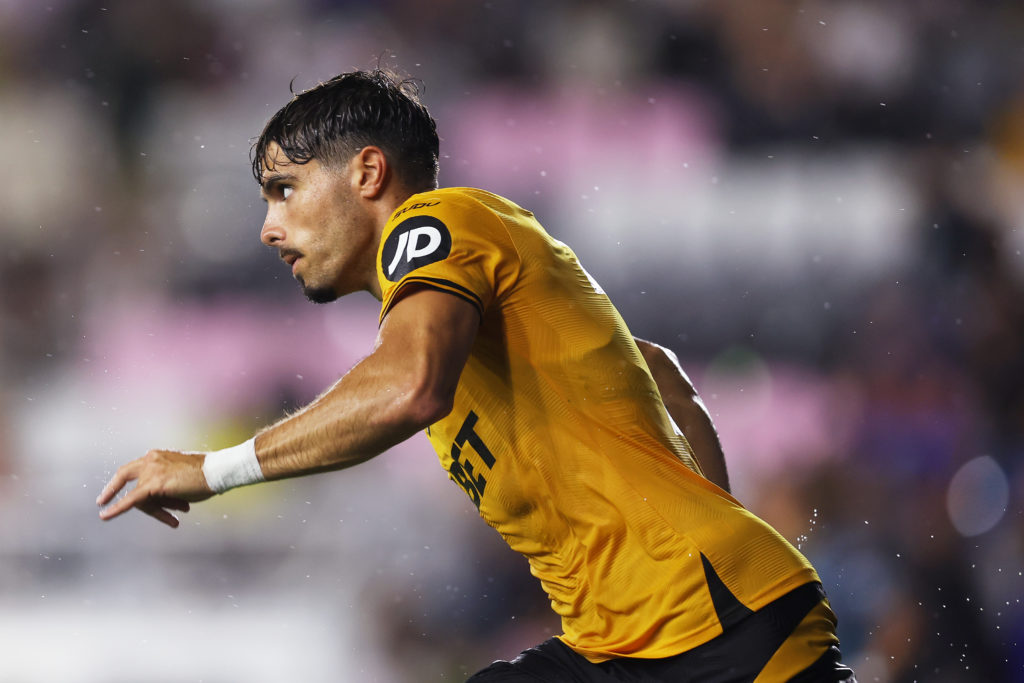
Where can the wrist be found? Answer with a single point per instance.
(229, 468)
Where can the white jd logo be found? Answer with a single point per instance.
(412, 245)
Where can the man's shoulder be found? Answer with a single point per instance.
(456, 200)
(454, 239)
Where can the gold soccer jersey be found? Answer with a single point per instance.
(560, 438)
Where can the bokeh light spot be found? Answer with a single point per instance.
(978, 495)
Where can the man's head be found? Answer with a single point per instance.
(332, 165)
(333, 120)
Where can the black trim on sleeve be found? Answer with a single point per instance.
(440, 285)
(467, 293)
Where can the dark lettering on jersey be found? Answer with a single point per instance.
(462, 469)
(414, 207)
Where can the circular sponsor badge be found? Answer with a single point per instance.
(416, 242)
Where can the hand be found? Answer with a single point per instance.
(165, 480)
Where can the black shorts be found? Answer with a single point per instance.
(791, 639)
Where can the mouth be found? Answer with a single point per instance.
(291, 258)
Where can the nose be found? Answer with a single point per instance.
(272, 233)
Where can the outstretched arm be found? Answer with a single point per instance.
(688, 410)
(406, 384)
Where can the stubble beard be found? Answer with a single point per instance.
(318, 295)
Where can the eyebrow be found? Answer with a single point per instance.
(272, 180)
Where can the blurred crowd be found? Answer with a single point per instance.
(817, 204)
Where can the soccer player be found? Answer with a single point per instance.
(542, 407)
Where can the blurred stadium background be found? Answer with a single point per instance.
(818, 204)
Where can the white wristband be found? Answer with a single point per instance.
(230, 467)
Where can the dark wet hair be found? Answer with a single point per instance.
(330, 122)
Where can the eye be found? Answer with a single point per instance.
(286, 190)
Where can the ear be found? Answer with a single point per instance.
(370, 172)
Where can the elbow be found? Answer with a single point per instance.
(424, 404)
(432, 407)
(668, 373)
(656, 356)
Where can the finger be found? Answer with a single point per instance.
(158, 513)
(116, 483)
(134, 497)
(124, 474)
